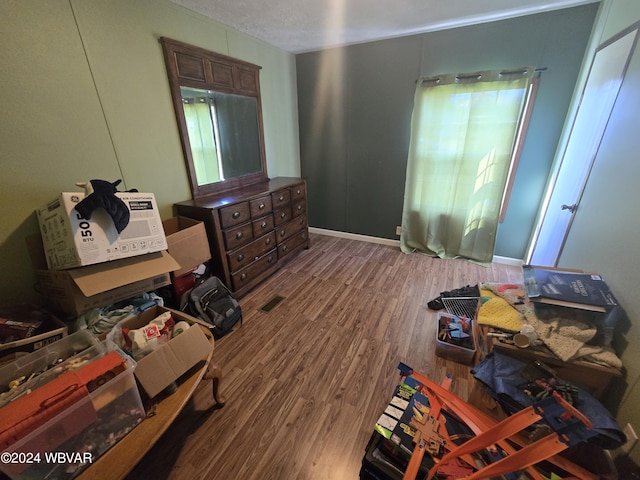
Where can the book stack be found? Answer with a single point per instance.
(568, 288)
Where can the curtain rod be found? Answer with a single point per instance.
(478, 76)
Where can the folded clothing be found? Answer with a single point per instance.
(496, 312)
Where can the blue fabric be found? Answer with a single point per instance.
(502, 377)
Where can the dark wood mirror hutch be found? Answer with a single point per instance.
(254, 223)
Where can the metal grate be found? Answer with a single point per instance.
(270, 305)
(461, 306)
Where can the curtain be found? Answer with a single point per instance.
(200, 127)
(463, 131)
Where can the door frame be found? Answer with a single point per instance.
(546, 246)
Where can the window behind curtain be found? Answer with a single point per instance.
(463, 134)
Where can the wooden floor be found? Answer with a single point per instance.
(306, 381)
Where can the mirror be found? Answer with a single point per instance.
(223, 134)
(217, 104)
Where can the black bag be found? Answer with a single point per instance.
(212, 302)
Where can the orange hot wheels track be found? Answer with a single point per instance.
(568, 426)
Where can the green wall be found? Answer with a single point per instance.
(85, 95)
(355, 107)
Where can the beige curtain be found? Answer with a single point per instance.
(463, 132)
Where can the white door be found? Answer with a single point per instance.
(570, 176)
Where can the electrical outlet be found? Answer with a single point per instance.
(632, 439)
(398, 230)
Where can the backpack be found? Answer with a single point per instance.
(212, 302)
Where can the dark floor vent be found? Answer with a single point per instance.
(267, 307)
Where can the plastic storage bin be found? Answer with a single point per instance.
(47, 363)
(63, 446)
(452, 347)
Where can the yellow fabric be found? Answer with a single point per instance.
(496, 312)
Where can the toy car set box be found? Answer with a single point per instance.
(127, 226)
(13, 346)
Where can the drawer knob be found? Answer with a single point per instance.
(263, 225)
(256, 258)
(240, 257)
(282, 233)
(298, 192)
(236, 215)
(283, 215)
(267, 241)
(238, 235)
(243, 276)
(261, 206)
(281, 198)
(284, 248)
(299, 208)
(269, 259)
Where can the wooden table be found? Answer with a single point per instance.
(120, 459)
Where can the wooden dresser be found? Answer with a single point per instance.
(252, 230)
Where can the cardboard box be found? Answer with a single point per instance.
(51, 331)
(167, 363)
(187, 243)
(71, 241)
(79, 290)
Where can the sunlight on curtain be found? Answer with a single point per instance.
(203, 145)
(462, 137)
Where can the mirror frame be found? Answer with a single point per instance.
(191, 66)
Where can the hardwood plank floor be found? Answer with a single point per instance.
(306, 381)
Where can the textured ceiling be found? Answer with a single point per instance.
(305, 25)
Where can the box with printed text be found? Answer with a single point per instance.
(72, 241)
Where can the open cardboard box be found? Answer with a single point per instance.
(78, 290)
(187, 243)
(167, 363)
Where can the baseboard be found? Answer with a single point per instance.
(355, 236)
(396, 243)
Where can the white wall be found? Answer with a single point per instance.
(606, 231)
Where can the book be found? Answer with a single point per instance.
(568, 288)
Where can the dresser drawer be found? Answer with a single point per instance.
(282, 216)
(281, 198)
(237, 237)
(298, 192)
(298, 207)
(292, 243)
(244, 256)
(245, 276)
(288, 229)
(235, 214)
(260, 206)
(262, 225)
